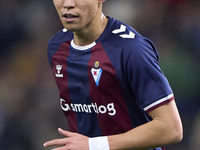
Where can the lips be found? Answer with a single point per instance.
(68, 17)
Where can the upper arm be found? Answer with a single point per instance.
(168, 115)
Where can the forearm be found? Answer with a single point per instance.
(161, 131)
(150, 135)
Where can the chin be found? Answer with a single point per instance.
(72, 28)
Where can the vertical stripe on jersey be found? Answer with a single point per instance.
(79, 91)
(59, 58)
(108, 91)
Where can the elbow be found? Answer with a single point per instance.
(177, 134)
(178, 137)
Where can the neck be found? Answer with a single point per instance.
(92, 32)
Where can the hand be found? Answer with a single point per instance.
(73, 141)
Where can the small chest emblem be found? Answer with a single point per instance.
(58, 68)
(96, 72)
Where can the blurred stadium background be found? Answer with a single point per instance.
(29, 104)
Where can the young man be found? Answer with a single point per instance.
(111, 88)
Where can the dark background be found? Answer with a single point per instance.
(29, 103)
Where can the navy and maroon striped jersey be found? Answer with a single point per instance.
(109, 86)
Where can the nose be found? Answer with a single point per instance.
(69, 4)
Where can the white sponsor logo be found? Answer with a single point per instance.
(88, 108)
(58, 68)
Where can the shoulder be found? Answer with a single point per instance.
(119, 31)
(60, 37)
(56, 41)
(126, 39)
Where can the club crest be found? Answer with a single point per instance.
(96, 72)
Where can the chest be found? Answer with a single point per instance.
(84, 72)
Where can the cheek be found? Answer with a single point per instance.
(57, 4)
(58, 7)
(90, 12)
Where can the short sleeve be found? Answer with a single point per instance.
(151, 88)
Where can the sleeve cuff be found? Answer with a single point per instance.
(159, 103)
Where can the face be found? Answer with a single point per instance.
(76, 15)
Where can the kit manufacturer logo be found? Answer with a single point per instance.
(58, 68)
(121, 32)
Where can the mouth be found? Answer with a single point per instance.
(69, 17)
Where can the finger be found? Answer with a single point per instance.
(56, 142)
(64, 132)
